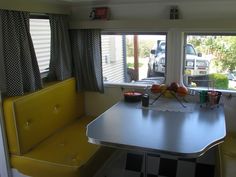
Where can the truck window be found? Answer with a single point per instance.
(162, 47)
(190, 50)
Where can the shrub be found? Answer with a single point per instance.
(220, 80)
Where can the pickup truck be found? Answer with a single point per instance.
(195, 64)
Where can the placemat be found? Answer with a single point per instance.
(172, 105)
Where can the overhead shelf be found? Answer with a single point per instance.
(216, 24)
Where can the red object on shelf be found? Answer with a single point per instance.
(100, 13)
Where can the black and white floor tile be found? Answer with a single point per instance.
(131, 164)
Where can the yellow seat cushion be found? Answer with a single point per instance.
(228, 156)
(65, 154)
(33, 117)
(229, 145)
(228, 166)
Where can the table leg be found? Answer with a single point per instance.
(145, 164)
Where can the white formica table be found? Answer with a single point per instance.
(184, 134)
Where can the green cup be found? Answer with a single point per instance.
(203, 97)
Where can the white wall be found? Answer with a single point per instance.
(152, 11)
(4, 160)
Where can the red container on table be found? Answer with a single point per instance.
(132, 96)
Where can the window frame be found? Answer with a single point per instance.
(204, 33)
(130, 32)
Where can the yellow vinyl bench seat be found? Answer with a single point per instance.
(46, 132)
(228, 156)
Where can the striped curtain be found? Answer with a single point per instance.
(19, 71)
(86, 52)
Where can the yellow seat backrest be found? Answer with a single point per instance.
(33, 117)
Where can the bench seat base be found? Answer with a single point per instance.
(228, 156)
(67, 153)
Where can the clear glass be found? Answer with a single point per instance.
(211, 62)
(133, 58)
(41, 37)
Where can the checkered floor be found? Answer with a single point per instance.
(131, 164)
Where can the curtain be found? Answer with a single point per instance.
(86, 47)
(60, 67)
(18, 64)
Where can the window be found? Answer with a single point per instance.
(210, 61)
(41, 36)
(133, 58)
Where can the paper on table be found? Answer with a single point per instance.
(169, 105)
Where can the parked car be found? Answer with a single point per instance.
(195, 64)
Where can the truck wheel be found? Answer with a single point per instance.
(148, 73)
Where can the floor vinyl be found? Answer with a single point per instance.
(131, 164)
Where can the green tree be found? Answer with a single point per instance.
(221, 47)
(145, 47)
(129, 47)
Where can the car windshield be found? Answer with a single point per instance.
(162, 47)
(190, 50)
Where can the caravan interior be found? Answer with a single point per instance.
(67, 65)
